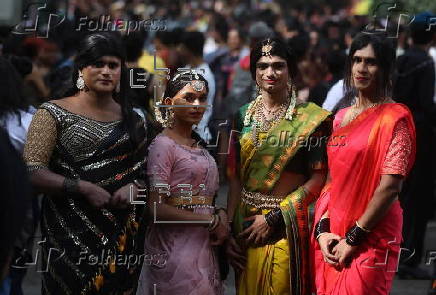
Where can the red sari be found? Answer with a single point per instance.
(357, 154)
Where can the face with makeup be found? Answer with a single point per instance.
(272, 73)
(365, 69)
(103, 75)
(192, 101)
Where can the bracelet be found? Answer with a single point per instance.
(266, 221)
(230, 226)
(323, 226)
(274, 218)
(214, 222)
(355, 236)
(70, 185)
(217, 210)
(317, 237)
(364, 228)
(140, 184)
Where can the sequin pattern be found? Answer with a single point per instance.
(397, 158)
(99, 152)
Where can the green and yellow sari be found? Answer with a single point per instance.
(280, 267)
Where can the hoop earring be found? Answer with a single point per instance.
(80, 83)
(117, 89)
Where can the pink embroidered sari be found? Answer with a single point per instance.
(356, 155)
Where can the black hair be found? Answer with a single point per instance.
(221, 26)
(385, 58)
(11, 89)
(176, 84)
(181, 80)
(134, 45)
(194, 42)
(336, 61)
(241, 33)
(279, 48)
(90, 50)
(168, 38)
(421, 33)
(22, 64)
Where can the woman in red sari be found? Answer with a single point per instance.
(358, 218)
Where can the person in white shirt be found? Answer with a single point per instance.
(15, 110)
(335, 94)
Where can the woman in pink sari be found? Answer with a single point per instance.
(179, 253)
(358, 218)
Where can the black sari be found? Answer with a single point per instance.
(87, 250)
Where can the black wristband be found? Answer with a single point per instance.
(274, 218)
(323, 226)
(70, 185)
(355, 236)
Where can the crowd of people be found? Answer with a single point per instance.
(131, 116)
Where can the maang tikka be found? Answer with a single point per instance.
(266, 48)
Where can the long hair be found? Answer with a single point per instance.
(279, 48)
(385, 59)
(90, 50)
(11, 89)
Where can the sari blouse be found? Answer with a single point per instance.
(398, 154)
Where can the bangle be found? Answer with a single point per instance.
(214, 222)
(364, 228)
(211, 222)
(317, 237)
(217, 210)
(70, 185)
(266, 221)
(355, 236)
(323, 226)
(230, 226)
(274, 218)
(140, 184)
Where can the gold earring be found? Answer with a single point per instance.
(168, 121)
(170, 118)
(258, 90)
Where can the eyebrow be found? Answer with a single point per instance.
(364, 57)
(108, 61)
(270, 63)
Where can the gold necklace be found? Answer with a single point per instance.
(356, 112)
(262, 124)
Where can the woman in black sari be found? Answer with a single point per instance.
(86, 152)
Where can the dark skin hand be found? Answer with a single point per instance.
(121, 198)
(384, 196)
(257, 234)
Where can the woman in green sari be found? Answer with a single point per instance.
(279, 167)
